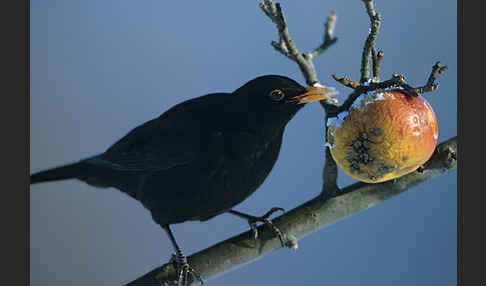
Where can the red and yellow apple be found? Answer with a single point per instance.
(384, 135)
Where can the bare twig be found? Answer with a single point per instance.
(395, 81)
(303, 220)
(370, 8)
(328, 36)
(377, 57)
(346, 81)
(287, 47)
(360, 88)
(437, 69)
(375, 20)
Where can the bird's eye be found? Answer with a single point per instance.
(276, 95)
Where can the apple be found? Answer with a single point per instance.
(384, 135)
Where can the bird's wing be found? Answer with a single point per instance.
(175, 138)
(149, 147)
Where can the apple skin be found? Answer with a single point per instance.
(384, 135)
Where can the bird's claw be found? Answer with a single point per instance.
(184, 269)
(253, 220)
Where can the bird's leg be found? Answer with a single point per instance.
(180, 261)
(253, 220)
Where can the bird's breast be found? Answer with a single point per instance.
(228, 170)
(239, 163)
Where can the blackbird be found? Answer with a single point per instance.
(201, 157)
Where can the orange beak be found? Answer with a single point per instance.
(315, 93)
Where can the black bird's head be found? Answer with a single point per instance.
(278, 98)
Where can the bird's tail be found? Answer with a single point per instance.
(60, 173)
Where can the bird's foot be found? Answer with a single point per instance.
(184, 269)
(254, 220)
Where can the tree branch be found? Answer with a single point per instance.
(287, 47)
(375, 20)
(303, 220)
(377, 57)
(437, 69)
(328, 36)
(395, 81)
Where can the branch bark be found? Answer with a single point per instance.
(303, 220)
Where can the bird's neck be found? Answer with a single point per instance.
(266, 125)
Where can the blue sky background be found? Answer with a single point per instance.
(100, 68)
